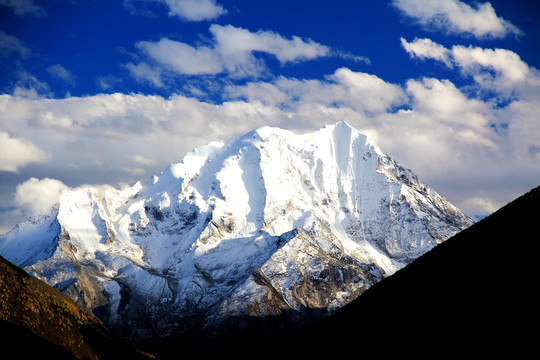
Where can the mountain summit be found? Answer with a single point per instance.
(270, 224)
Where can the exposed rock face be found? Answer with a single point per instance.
(267, 224)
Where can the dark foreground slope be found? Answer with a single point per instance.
(476, 293)
(38, 321)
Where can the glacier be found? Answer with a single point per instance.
(264, 224)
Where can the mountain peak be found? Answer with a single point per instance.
(344, 125)
(268, 223)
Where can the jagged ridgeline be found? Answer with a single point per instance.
(270, 225)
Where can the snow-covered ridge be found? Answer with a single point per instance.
(268, 212)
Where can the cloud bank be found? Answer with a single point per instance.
(452, 138)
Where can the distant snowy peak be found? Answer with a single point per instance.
(253, 226)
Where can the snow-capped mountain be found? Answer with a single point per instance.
(264, 224)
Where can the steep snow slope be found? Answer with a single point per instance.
(263, 224)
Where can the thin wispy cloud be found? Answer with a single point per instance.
(24, 8)
(187, 10)
(11, 45)
(59, 72)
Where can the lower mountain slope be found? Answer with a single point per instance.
(474, 294)
(38, 321)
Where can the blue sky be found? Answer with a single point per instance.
(107, 92)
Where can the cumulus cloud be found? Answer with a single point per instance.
(498, 113)
(498, 70)
(83, 131)
(17, 152)
(38, 196)
(449, 124)
(457, 17)
(362, 92)
(232, 51)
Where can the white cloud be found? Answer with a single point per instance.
(182, 58)
(35, 196)
(433, 95)
(482, 205)
(499, 70)
(453, 126)
(187, 10)
(232, 51)
(234, 44)
(17, 152)
(495, 123)
(24, 7)
(457, 17)
(195, 10)
(139, 159)
(60, 72)
(143, 72)
(427, 49)
(29, 86)
(362, 92)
